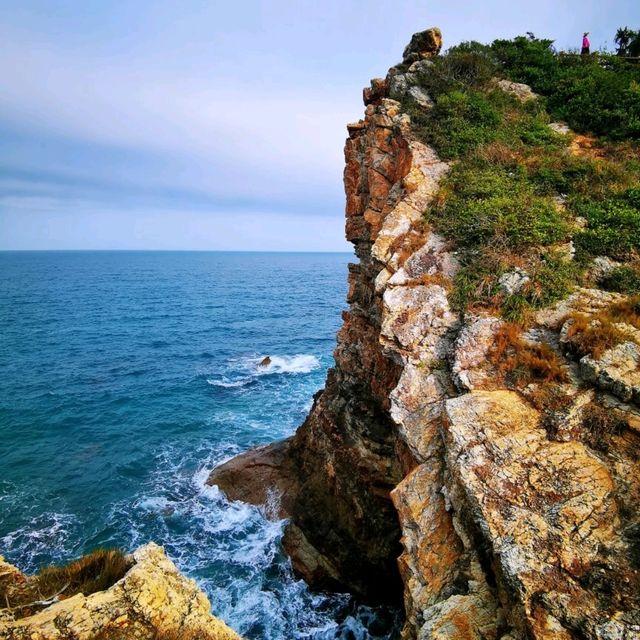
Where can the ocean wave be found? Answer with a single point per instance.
(47, 535)
(300, 363)
(241, 373)
(230, 384)
(154, 503)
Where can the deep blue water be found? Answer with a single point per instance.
(126, 376)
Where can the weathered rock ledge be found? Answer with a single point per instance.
(152, 601)
(511, 513)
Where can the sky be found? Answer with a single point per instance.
(210, 125)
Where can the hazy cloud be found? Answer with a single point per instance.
(161, 111)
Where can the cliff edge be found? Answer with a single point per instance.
(486, 469)
(151, 601)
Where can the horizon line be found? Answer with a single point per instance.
(167, 251)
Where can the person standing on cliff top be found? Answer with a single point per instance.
(586, 45)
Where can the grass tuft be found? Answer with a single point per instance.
(93, 572)
(599, 426)
(521, 362)
(595, 334)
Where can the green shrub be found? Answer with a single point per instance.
(460, 121)
(597, 94)
(527, 59)
(613, 227)
(632, 197)
(624, 279)
(490, 205)
(469, 65)
(562, 173)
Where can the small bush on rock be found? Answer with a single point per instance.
(93, 572)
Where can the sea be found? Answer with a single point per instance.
(125, 377)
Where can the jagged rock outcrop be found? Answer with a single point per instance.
(423, 45)
(152, 601)
(516, 505)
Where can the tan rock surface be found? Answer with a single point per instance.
(152, 597)
(424, 44)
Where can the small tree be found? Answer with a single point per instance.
(628, 42)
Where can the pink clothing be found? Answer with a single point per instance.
(585, 42)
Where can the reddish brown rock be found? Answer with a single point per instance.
(261, 476)
(379, 89)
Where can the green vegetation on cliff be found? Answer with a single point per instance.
(525, 197)
(597, 94)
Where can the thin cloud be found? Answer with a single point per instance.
(110, 112)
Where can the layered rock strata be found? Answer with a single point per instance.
(516, 508)
(152, 601)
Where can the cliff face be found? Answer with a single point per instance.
(516, 508)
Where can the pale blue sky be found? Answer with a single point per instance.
(199, 124)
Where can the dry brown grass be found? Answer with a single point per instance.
(600, 425)
(93, 572)
(620, 151)
(407, 244)
(627, 311)
(521, 363)
(436, 278)
(586, 146)
(595, 334)
(500, 153)
(550, 398)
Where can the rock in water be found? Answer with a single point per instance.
(265, 362)
(262, 476)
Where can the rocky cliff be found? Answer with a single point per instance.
(152, 601)
(499, 509)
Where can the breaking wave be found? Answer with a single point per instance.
(244, 371)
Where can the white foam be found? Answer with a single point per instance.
(50, 530)
(244, 371)
(153, 503)
(300, 363)
(229, 384)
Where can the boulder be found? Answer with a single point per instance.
(423, 45)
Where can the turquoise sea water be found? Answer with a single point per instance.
(126, 377)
